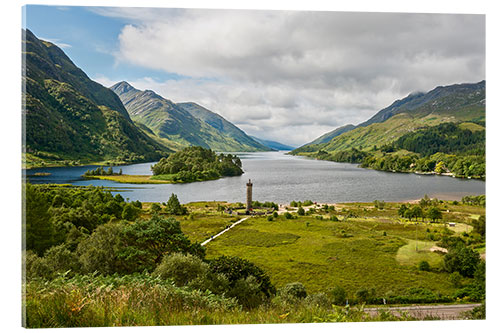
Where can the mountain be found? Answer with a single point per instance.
(456, 103)
(220, 124)
(186, 124)
(273, 144)
(71, 119)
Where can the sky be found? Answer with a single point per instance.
(288, 76)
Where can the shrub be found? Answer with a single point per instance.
(456, 279)
(98, 252)
(247, 291)
(424, 266)
(338, 295)
(461, 259)
(181, 268)
(365, 295)
(334, 218)
(275, 215)
(35, 266)
(294, 290)
(288, 216)
(270, 218)
(155, 208)
(301, 211)
(130, 212)
(235, 268)
(319, 300)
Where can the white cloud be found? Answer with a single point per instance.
(291, 76)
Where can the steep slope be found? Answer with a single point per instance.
(273, 144)
(176, 123)
(70, 119)
(455, 103)
(222, 125)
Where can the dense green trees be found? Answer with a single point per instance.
(174, 207)
(480, 225)
(446, 138)
(349, 156)
(53, 211)
(461, 259)
(196, 164)
(145, 242)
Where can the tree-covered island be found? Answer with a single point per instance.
(196, 164)
(192, 164)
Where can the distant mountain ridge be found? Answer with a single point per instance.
(275, 145)
(71, 119)
(454, 103)
(184, 123)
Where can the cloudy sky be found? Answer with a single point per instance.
(282, 75)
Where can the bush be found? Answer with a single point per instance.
(57, 260)
(301, 211)
(319, 300)
(130, 212)
(275, 215)
(235, 268)
(365, 295)
(270, 218)
(181, 268)
(424, 266)
(294, 290)
(155, 208)
(288, 216)
(456, 279)
(248, 292)
(334, 218)
(461, 259)
(99, 252)
(338, 295)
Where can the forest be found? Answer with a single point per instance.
(442, 149)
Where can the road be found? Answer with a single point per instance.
(223, 231)
(442, 311)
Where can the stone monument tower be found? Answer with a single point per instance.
(249, 195)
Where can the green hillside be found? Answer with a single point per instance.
(226, 128)
(456, 104)
(186, 124)
(70, 119)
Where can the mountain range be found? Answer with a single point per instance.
(458, 103)
(187, 124)
(275, 145)
(71, 119)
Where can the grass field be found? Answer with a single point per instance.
(324, 254)
(131, 179)
(375, 249)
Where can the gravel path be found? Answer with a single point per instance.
(223, 231)
(442, 311)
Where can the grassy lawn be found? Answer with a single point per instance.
(416, 251)
(131, 179)
(322, 253)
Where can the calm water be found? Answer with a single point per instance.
(280, 178)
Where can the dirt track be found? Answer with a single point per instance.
(442, 311)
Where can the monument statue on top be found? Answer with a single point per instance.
(249, 196)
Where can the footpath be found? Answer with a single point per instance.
(223, 231)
